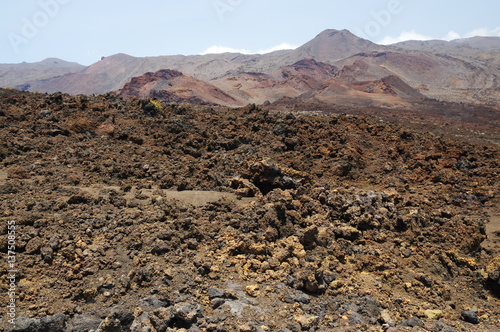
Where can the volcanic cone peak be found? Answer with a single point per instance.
(335, 45)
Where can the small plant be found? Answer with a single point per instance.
(151, 107)
(156, 104)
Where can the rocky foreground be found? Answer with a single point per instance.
(138, 216)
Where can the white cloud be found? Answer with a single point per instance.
(484, 32)
(282, 46)
(451, 35)
(225, 49)
(404, 36)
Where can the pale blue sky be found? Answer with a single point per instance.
(85, 30)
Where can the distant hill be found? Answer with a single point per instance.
(174, 86)
(482, 43)
(335, 66)
(18, 75)
(333, 45)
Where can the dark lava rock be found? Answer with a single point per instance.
(81, 323)
(149, 108)
(47, 254)
(426, 281)
(187, 313)
(412, 322)
(300, 297)
(152, 302)
(120, 319)
(215, 292)
(470, 316)
(356, 319)
(370, 308)
(53, 323)
(77, 199)
(217, 302)
(43, 113)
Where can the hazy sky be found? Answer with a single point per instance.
(84, 30)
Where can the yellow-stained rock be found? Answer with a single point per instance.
(433, 314)
(252, 290)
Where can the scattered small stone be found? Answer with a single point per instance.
(215, 319)
(425, 280)
(118, 320)
(78, 199)
(412, 322)
(245, 328)
(300, 297)
(55, 323)
(252, 290)
(141, 323)
(217, 302)
(34, 245)
(47, 254)
(187, 312)
(356, 319)
(407, 253)
(336, 284)
(82, 323)
(160, 247)
(43, 113)
(470, 316)
(215, 292)
(386, 318)
(306, 321)
(152, 302)
(433, 314)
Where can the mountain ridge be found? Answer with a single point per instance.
(460, 70)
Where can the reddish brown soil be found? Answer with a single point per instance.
(174, 86)
(136, 218)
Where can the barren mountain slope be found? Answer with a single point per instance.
(13, 75)
(482, 43)
(173, 86)
(436, 76)
(303, 77)
(312, 80)
(462, 70)
(113, 72)
(333, 45)
(462, 46)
